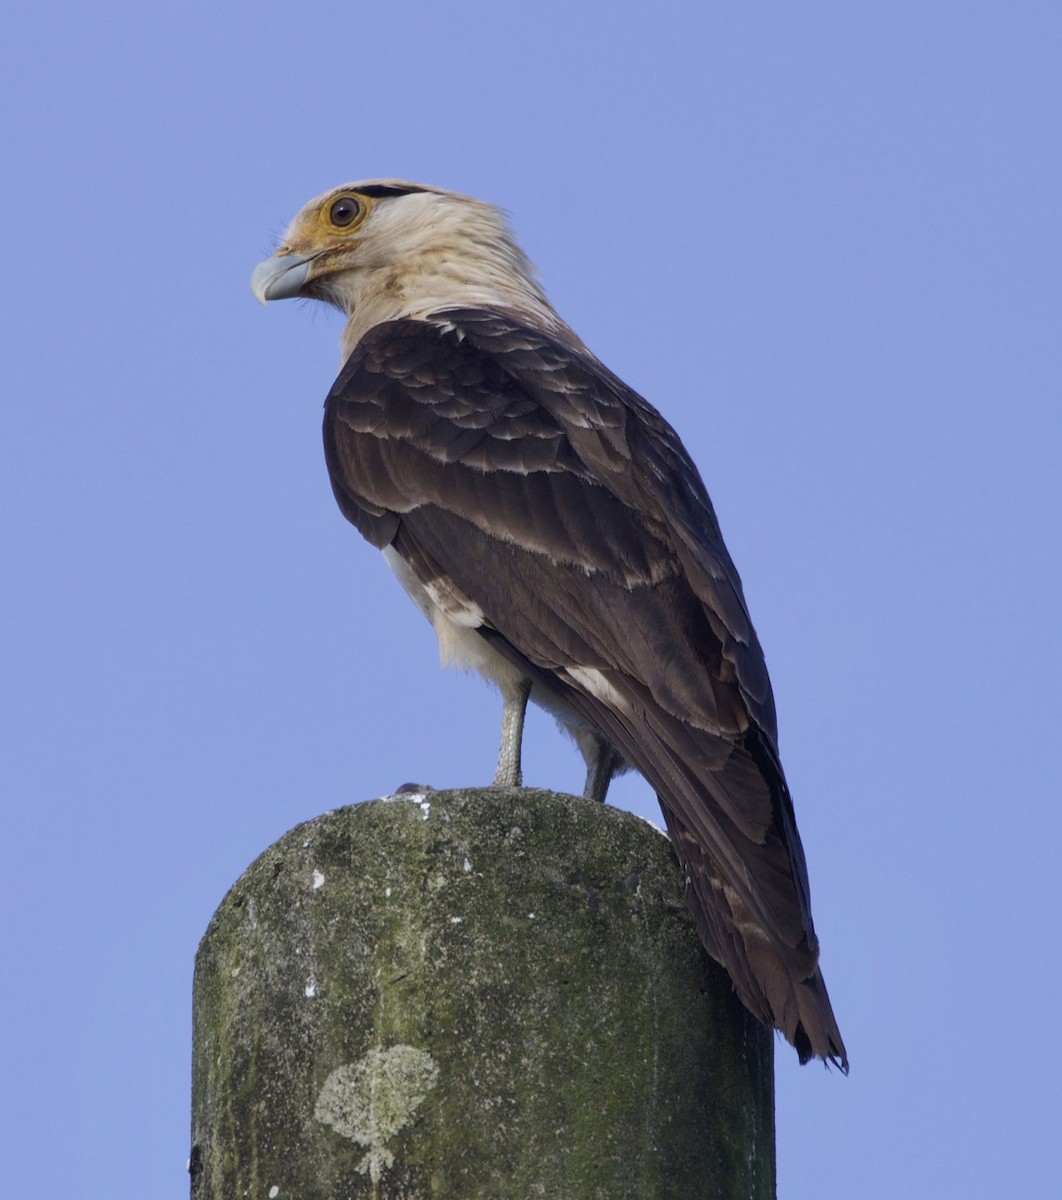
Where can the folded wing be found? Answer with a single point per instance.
(508, 467)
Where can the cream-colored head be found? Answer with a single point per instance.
(385, 249)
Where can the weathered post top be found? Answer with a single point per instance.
(472, 994)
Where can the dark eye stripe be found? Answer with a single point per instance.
(376, 191)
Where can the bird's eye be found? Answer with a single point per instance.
(344, 212)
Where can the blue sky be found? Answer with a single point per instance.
(824, 239)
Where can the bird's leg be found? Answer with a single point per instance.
(514, 700)
(602, 762)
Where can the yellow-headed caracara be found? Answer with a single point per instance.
(550, 525)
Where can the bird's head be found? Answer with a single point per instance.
(386, 249)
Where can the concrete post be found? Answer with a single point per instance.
(472, 994)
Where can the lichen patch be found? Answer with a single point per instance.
(371, 1100)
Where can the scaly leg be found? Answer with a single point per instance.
(602, 763)
(512, 734)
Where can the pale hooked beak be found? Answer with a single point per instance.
(280, 278)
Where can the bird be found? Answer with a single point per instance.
(550, 524)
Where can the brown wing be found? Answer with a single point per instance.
(519, 470)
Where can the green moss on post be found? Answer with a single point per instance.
(472, 994)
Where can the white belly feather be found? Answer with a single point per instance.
(455, 619)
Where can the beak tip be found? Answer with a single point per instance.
(279, 278)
